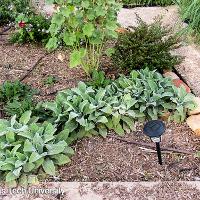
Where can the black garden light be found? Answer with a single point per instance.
(154, 129)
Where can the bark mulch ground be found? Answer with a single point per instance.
(99, 159)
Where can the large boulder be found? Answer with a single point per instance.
(194, 123)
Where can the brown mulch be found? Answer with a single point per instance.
(99, 159)
(16, 61)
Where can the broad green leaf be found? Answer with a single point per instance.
(89, 126)
(50, 129)
(19, 163)
(111, 25)
(16, 172)
(69, 151)
(10, 136)
(129, 122)
(66, 11)
(28, 146)
(110, 51)
(49, 167)
(24, 119)
(28, 167)
(14, 150)
(35, 156)
(81, 121)
(56, 148)
(10, 177)
(52, 43)
(61, 159)
(20, 156)
(71, 125)
(116, 119)
(75, 58)
(119, 130)
(7, 167)
(102, 119)
(109, 124)
(107, 109)
(103, 131)
(63, 135)
(88, 29)
(58, 19)
(38, 163)
(69, 39)
(85, 4)
(3, 125)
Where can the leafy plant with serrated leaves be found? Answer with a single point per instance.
(99, 79)
(16, 97)
(84, 26)
(26, 147)
(86, 111)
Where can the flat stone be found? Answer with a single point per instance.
(194, 123)
(178, 83)
(171, 75)
(197, 109)
(190, 67)
(170, 16)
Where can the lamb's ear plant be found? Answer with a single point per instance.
(27, 147)
(86, 110)
(84, 26)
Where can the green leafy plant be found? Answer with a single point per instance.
(84, 26)
(31, 28)
(10, 9)
(50, 80)
(86, 111)
(134, 3)
(27, 147)
(146, 46)
(189, 10)
(99, 80)
(16, 97)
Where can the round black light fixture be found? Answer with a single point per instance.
(154, 129)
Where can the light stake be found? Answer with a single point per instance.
(154, 129)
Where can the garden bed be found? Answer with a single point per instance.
(96, 158)
(99, 159)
